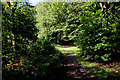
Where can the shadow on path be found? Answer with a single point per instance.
(70, 70)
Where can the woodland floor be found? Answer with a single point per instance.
(71, 70)
(77, 68)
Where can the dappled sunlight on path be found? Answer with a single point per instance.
(66, 48)
(72, 70)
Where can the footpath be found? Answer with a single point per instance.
(70, 69)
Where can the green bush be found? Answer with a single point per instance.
(25, 56)
(46, 60)
(98, 35)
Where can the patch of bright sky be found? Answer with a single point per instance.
(34, 2)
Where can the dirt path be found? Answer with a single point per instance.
(71, 70)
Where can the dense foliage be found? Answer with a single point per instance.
(58, 20)
(24, 55)
(99, 33)
(18, 29)
(28, 37)
(94, 25)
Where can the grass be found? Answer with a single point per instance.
(95, 70)
(101, 71)
(72, 49)
(60, 48)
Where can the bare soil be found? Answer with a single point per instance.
(70, 69)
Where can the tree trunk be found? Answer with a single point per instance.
(12, 34)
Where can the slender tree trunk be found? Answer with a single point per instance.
(102, 8)
(12, 34)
